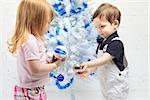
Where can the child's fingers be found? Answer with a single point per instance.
(84, 67)
(83, 73)
(58, 62)
(79, 70)
(83, 76)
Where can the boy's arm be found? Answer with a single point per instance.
(106, 57)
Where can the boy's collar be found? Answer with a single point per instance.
(108, 40)
(113, 35)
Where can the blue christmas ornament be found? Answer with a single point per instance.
(59, 80)
(60, 77)
(61, 51)
(57, 30)
(59, 7)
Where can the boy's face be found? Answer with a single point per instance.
(104, 28)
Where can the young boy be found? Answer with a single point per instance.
(112, 62)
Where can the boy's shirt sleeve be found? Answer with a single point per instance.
(115, 49)
(31, 49)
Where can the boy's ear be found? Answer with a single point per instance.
(116, 23)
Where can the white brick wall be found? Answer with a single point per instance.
(133, 31)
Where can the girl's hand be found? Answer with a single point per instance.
(58, 62)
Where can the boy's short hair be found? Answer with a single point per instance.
(109, 12)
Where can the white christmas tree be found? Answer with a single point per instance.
(73, 29)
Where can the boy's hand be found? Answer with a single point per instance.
(87, 72)
(80, 68)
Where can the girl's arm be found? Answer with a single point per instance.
(38, 68)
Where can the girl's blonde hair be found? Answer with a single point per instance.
(32, 16)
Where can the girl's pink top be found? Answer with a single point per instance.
(30, 50)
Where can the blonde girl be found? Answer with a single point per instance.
(32, 21)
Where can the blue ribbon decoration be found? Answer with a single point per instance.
(79, 9)
(60, 8)
(87, 24)
(59, 79)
